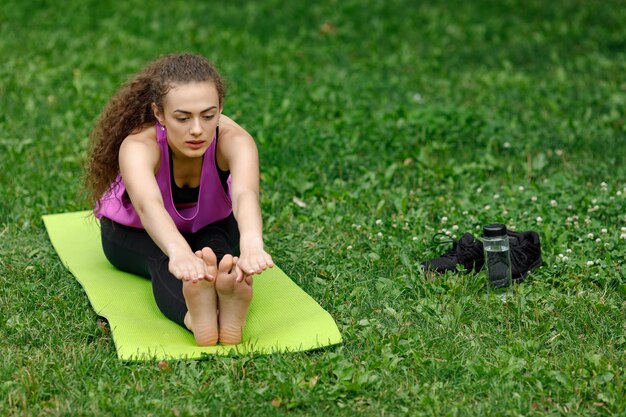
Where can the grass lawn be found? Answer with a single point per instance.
(379, 124)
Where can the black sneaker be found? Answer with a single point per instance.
(525, 253)
(466, 251)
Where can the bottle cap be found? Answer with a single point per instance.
(493, 230)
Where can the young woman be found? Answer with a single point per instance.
(175, 184)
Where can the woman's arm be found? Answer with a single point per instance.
(239, 153)
(139, 157)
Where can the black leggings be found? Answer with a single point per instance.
(133, 250)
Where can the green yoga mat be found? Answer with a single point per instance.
(282, 317)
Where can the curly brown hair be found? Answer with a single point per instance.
(130, 110)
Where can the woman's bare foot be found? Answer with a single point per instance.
(201, 300)
(234, 300)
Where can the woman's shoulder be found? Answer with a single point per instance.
(145, 133)
(231, 132)
(143, 138)
(235, 144)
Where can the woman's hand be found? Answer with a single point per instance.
(253, 261)
(187, 266)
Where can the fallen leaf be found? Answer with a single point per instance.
(328, 28)
(299, 202)
(102, 325)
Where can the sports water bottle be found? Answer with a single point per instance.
(497, 255)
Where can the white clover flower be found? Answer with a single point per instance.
(455, 227)
(379, 222)
(479, 190)
(448, 233)
(553, 203)
(622, 236)
(533, 198)
(465, 212)
(496, 196)
(538, 219)
(589, 263)
(414, 238)
(603, 230)
(559, 152)
(520, 188)
(561, 255)
(487, 207)
(569, 207)
(444, 220)
(568, 250)
(565, 259)
(618, 193)
(590, 235)
(379, 234)
(417, 97)
(587, 220)
(349, 247)
(506, 145)
(623, 229)
(594, 201)
(598, 240)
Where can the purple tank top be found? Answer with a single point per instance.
(213, 202)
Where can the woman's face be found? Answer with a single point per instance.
(190, 115)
